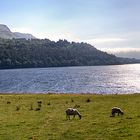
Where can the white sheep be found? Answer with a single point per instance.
(72, 111)
(116, 110)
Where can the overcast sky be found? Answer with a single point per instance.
(106, 24)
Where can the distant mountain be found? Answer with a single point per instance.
(5, 33)
(23, 35)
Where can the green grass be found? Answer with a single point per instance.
(49, 123)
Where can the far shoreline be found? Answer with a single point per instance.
(71, 66)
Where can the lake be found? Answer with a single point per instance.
(114, 79)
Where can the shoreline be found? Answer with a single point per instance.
(103, 94)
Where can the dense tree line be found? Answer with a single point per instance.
(22, 53)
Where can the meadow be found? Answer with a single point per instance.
(43, 117)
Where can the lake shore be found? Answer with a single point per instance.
(68, 93)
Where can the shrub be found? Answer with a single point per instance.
(8, 102)
(88, 100)
(17, 108)
(72, 100)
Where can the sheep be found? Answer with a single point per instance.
(72, 111)
(116, 110)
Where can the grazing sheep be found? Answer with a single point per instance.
(116, 110)
(72, 111)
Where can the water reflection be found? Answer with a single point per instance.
(93, 79)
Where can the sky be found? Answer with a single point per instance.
(109, 25)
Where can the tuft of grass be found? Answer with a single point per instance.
(31, 107)
(88, 100)
(8, 102)
(17, 108)
(50, 122)
(49, 103)
(77, 106)
(39, 104)
(72, 100)
(37, 109)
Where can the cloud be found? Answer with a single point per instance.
(105, 40)
(22, 30)
(123, 52)
(109, 42)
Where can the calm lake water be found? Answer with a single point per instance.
(92, 79)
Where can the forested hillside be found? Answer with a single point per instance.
(22, 53)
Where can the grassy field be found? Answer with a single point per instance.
(21, 119)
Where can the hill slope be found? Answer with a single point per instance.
(22, 53)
